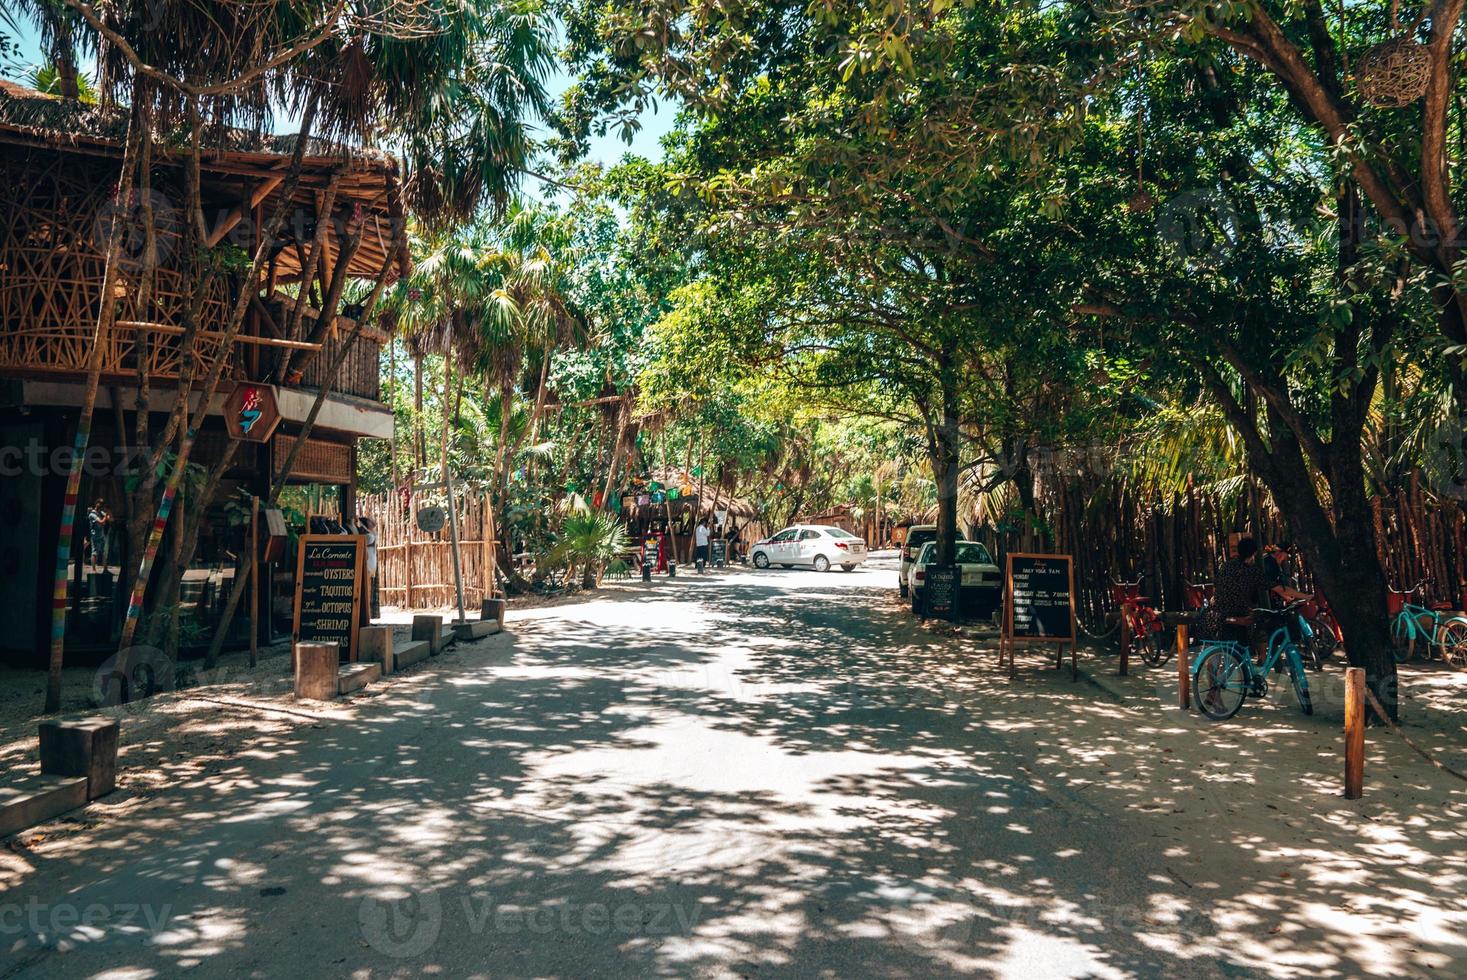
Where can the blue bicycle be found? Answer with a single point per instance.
(1224, 674)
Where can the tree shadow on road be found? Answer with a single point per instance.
(742, 777)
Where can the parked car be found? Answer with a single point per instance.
(979, 585)
(917, 536)
(810, 544)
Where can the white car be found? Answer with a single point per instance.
(978, 590)
(917, 536)
(815, 545)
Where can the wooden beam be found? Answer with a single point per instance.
(168, 328)
(233, 218)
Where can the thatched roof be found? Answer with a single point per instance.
(234, 160)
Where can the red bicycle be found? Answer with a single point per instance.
(1142, 622)
(1325, 636)
(1197, 596)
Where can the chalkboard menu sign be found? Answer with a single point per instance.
(651, 546)
(330, 570)
(1039, 590)
(940, 590)
(1039, 603)
(720, 553)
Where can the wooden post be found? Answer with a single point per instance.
(410, 525)
(486, 552)
(1125, 644)
(254, 574)
(1184, 682)
(1354, 733)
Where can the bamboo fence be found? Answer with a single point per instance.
(1113, 534)
(414, 568)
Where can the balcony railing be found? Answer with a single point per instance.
(360, 374)
(66, 350)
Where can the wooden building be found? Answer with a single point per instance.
(59, 170)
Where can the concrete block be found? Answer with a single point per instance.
(476, 629)
(354, 677)
(410, 653)
(430, 629)
(376, 647)
(315, 670)
(35, 799)
(85, 747)
(493, 609)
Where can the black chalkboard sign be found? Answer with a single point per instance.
(330, 570)
(651, 546)
(1040, 594)
(720, 553)
(940, 590)
(1039, 605)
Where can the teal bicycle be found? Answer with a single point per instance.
(1224, 674)
(1421, 629)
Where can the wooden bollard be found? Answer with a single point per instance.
(1354, 733)
(316, 670)
(1125, 643)
(1184, 682)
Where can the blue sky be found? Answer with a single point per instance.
(606, 149)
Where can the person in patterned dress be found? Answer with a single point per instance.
(1241, 588)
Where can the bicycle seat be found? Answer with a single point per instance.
(1238, 620)
(1440, 606)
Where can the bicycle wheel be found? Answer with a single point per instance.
(1220, 683)
(1322, 648)
(1299, 678)
(1155, 651)
(1403, 637)
(1453, 641)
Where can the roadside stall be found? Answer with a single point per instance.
(668, 503)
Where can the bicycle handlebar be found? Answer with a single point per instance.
(1286, 608)
(1411, 591)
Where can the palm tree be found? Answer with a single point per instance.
(590, 541)
(61, 32)
(499, 294)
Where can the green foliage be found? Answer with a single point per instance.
(588, 541)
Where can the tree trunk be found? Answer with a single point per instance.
(419, 439)
(945, 465)
(249, 284)
(106, 313)
(392, 404)
(1360, 583)
(616, 453)
(63, 57)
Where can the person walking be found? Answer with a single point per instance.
(97, 521)
(701, 536)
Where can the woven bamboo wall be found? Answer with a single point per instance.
(415, 569)
(55, 212)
